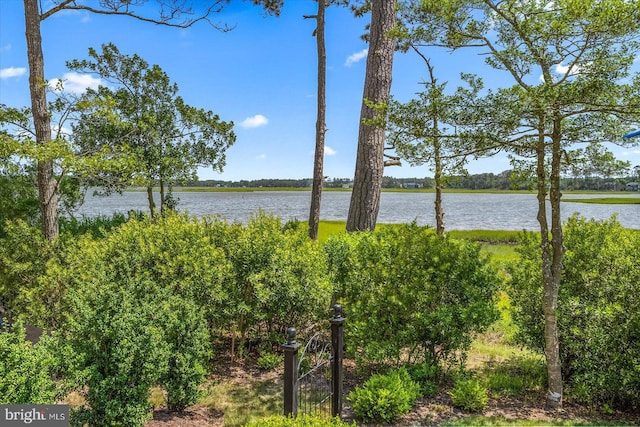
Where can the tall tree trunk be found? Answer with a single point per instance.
(318, 168)
(550, 269)
(162, 197)
(552, 288)
(437, 159)
(367, 182)
(152, 204)
(47, 184)
(438, 180)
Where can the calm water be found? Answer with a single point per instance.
(463, 211)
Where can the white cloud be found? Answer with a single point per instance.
(60, 131)
(328, 151)
(5, 48)
(86, 18)
(6, 73)
(632, 152)
(76, 83)
(255, 121)
(356, 57)
(261, 156)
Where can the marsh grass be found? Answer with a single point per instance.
(607, 200)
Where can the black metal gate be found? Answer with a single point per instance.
(313, 376)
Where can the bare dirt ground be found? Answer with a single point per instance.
(427, 412)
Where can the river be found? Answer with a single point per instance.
(463, 211)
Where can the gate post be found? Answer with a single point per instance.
(337, 344)
(290, 373)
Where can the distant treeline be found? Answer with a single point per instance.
(483, 181)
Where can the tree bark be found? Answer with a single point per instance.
(367, 182)
(152, 204)
(438, 180)
(47, 184)
(163, 205)
(552, 288)
(318, 163)
(551, 261)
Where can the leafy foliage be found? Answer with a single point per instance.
(279, 276)
(469, 395)
(268, 361)
(24, 258)
(598, 309)
(25, 369)
(384, 397)
(115, 328)
(426, 376)
(140, 304)
(18, 200)
(404, 288)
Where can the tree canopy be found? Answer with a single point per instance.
(143, 116)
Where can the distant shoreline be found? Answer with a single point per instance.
(204, 189)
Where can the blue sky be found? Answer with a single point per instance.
(261, 75)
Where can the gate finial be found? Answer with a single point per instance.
(291, 336)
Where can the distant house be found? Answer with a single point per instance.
(633, 186)
(348, 185)
(412, 185)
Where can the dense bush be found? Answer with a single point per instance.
(140, 302)
(384, 397)
(114, 329)
(469, 395)
(598, 309)
(426, 376)
(404, 288)
(25, 369)
(268, 361)
(98, 226)
(173, 252)
(279, 276)
(302, 420)
(187, 335)
(24, 259)
(18, 200)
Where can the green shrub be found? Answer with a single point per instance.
(25, 369)
(302, 420)
(25, 256)
(115, 329)
(404, 288)
(140, 303)
(187, 335)
(98, 226)
(384, 397)
(279, 276)
(426, 376)
(598, 310)
(268, 361)
(469, 395)
(172, 251)
(18, 200)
